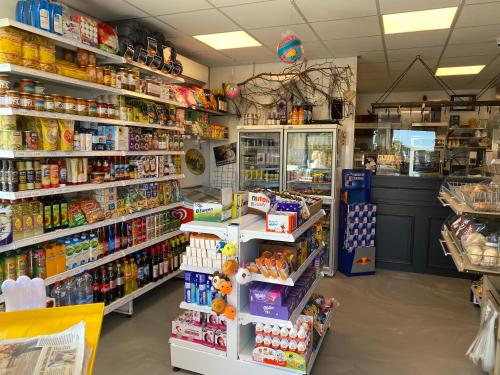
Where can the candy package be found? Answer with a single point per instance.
(107, 37)
(91, 210)
(76, 217)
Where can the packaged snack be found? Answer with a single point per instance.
(91, 210)
(47, 55)
(49, 131)
(30, 54)
(261, 264)
(66, 131)
(75, 215)
(283, 267)
(272, 267)
(107, 37)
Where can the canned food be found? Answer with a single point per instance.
(27, 85)
(25, 100)
(38, 102)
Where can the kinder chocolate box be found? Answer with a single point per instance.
(282, 222)
(272, 294)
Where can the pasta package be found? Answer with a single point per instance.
(11, 43)
(50, 133)
(66, 131)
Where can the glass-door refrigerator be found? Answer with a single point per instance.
(259, 157)
(310, 161)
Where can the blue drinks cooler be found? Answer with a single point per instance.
(357, 224)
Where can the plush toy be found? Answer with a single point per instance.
(243, 276)
(216, 280)
(218, 305)
(229, 250)
(230, 267)
(225, 287)
(230, 312)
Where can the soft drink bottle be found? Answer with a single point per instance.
(112, 283)
(133, 271)
(105, 286)
(117, 236)
(159, 252)
(96, 287)
(111, 239)
(123, 235)
(120, 282)
(127, 276)
(88, 287)
(58, 293)
(146, 267)
(140, 270)
(81, 296)
(70, 291)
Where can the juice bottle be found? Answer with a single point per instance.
(37, 216)
(27, 218)
(94, 248)
(40, 263)
(63, 211)
(133, 272)
(111, 238)
(56, 213)
(50, 261)
(127, 276)
(69, 250)
(77, 244)
(47, 214)
(17, 220)
(85, 246)
(9, 266)
(21, 264)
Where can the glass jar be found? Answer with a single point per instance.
(11, 99)
(27, 85)
(106, 77)
(4, 83)
(49, 103)
(92, 108)
(137, 80)
(39, 88)
(82, 108)
(102, 110)
(25, 100)
(122, 79)
(91, 72)
(38, 102)
(82, 57)
(99, 75)
(131, 80)
(92, 58)
(112, 79)
(58, 103)
(69, 105)
(110, 110)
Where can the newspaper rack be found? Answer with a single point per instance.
(30, 323)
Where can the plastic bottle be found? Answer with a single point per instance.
(140, 270)
(128, 277)
(111, 239)
(56, 18)
(77, 250)
(37, 215)
(94, 248)
(59, 294)
(105, 286)
(112, 282)
(81, 296)
(87, 285)
(71, 297)
(27, 219)
(120, 282)
(10, 295)
(133, 271)
(5, 225)
(17, 220)
(38, 293)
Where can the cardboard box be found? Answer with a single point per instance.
(284, 222)
(213, 212)
(260, 203)
(273, 294)
(270, 311)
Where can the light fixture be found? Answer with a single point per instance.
(459, 70)
(233, 39)
(430, 19)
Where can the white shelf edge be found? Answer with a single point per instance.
(195, 347)
(169, 78)
(259, 230)
(217, 229)
(195, 307)
(83, 228)
(63, 116)
(9, 154)
(206, 270)
(139, 292)
(290, 281)
(84, 187)
(245, 317)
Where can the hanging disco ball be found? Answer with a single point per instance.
(290, 49)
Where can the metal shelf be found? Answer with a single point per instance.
(99, 120)
(245, 317)
(139, 292)
(217, 229)
(84, 228)
(8, 154)
(84, 187)
(460, 208)
(195, 307)
(216, 113)
(206, 270)
(168, 78)
(294, 276)
(257, 230)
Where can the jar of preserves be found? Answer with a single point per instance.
(92, 58)
(102, 110)
(131, 80)
(91, 72)
(39, 88)
(58, 103)
(106, 77)
(137, 80)
(82, 108)
(82, 57)
(4, 83)
(27, 85)
(92, 108)
(49, 103)
(99, 75)
(112, 80)
(25, 100)
(110, 110)
(11, 99)
(38, 102)
(122, 79)
(69, 105)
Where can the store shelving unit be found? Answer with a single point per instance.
(206, 270)
(246, 231)
(195, 307)
(8, 154)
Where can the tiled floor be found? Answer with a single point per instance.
(392, 323)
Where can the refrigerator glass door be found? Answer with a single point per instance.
(259, 160)
(309, 162)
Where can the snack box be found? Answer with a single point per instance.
(220, 339)
(260, 202)
(213, 212)
(282, 222)
(270, 311)
(185, 329)
(291, 252)
(240, 199)
(273, 294)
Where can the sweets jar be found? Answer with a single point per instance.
(99, 75)
(92, 108)
(110, 111)
(106, 77)
(58, 103)
(4, 83)
(49, 103)
(91, 72)
(102, 110)
(38, 102)
(82, 108)
(69, 105)
(11, 99)
(27, 85)
(25, 100)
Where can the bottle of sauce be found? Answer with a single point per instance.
(12, 177)
(21, 169)
(30, 175)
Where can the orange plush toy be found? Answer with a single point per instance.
(230, 267)
(230, 312)
(225, 287)
(218, 305)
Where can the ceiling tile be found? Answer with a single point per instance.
(201, 22)
(371, 56)
(251, 55)
(158, 25)
(338, 29)
(156, 8)
(398, 6)
(315, 50)
(228, 3)
(479, 14)
(480, 1)
(110, 10)
(188, 43)
(470, 49)
(475, 34)
(321, 10)
(264, 14)
(354, 46)
(371, 69)
(211, 58)
(417, 39)
(271, 36)
(408, 54)
(466, 60)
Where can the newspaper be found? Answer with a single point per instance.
(57, 354)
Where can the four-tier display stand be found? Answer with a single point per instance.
(246, 232)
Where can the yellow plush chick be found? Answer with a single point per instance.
(229, 250)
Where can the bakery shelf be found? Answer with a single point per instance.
(207, 270)
(257, 230)
(8, 154)
(245, 317)
(84, 228)
(61, 41)
(63, 116)
(139, 292)
(460, 208)
(196, 347)
(84, 187)
(195, 307)
(294, 276)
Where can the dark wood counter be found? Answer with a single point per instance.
(409, 221)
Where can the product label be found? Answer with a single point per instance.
(44, 19)
(58, 28)
(155, 271)
(119, 281)
(47, 217)
(56, 219)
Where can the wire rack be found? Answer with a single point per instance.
(224, 177)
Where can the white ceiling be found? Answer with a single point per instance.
(328, 28)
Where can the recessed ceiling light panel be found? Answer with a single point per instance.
(430, 19)
(234, 39)
(459, 70)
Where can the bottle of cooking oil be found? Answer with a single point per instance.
(37, 215)
(27, 218)
(17, 220)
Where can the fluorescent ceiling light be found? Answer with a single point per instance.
(234, 39)
(459, 70)
(430, 19)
